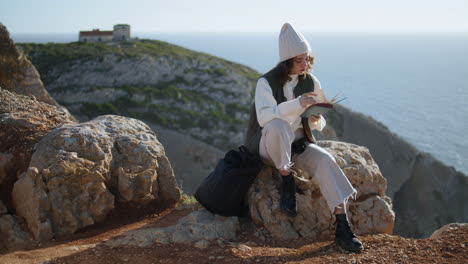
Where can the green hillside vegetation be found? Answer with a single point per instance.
(214, 111)
(46, 56)
(165, 102)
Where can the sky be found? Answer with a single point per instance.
(53, 16)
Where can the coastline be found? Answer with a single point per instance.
(412, 117)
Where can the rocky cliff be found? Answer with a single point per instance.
(191, 159)
(23, 123)
(196, 94)
(19, 75)
(58, 177)
(76, 174)
(183, 93)
(427, 194)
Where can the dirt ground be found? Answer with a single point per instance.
(88, 247)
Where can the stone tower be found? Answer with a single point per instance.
(121, 32)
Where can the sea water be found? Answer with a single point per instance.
(415, 84)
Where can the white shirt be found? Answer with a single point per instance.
(290, 110)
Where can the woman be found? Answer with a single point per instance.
(281, 96)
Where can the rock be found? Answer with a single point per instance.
(370, 213)
(182, 235)
(394, 155)
(47, 261)
(196, 94)
(5, 165)
(23, 122)
(434, 196)
(200, 225)
(197, 161)
(447, 229)
(3, 209)
(31, 201)
(17, 74)
(12, 233)
(243, 247)
(79, 171)
(409, 174)
(72, 248)
(202, 244)
(161, 236)
(140, 238)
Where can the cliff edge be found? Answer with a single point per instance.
(197, 97)
(427, 194)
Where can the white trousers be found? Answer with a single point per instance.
(275, 150)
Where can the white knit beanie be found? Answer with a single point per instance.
(291, 43)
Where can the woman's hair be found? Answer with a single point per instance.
(283, 68)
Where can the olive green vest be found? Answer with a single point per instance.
(254, 131)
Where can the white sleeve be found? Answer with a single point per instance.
(268, 109)
(318, 90)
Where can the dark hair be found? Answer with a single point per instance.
(283, 69)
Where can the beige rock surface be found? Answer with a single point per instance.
(12, 232)
(370, 213)
(79, 171)
(447, 229)
(18, 75)
(426, 193)
(198, 227)
(23, 122)
(394, 155)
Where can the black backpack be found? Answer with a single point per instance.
(224, 191)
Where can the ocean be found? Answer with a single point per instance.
(415, 84)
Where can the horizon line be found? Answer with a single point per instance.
(334, 31)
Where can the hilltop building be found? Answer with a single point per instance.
(121, 32)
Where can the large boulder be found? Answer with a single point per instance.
(12, 230)
(371, 212)
(23, 122)
(418, 184)
(394, 155)
(79, 171)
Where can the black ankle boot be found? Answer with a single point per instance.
(288, 195)
(344, 237)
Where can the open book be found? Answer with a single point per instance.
(320, 108)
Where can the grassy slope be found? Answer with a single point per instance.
(45, 56)
(48, 56)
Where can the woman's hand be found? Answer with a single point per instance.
(307, 99)
(315, 118)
